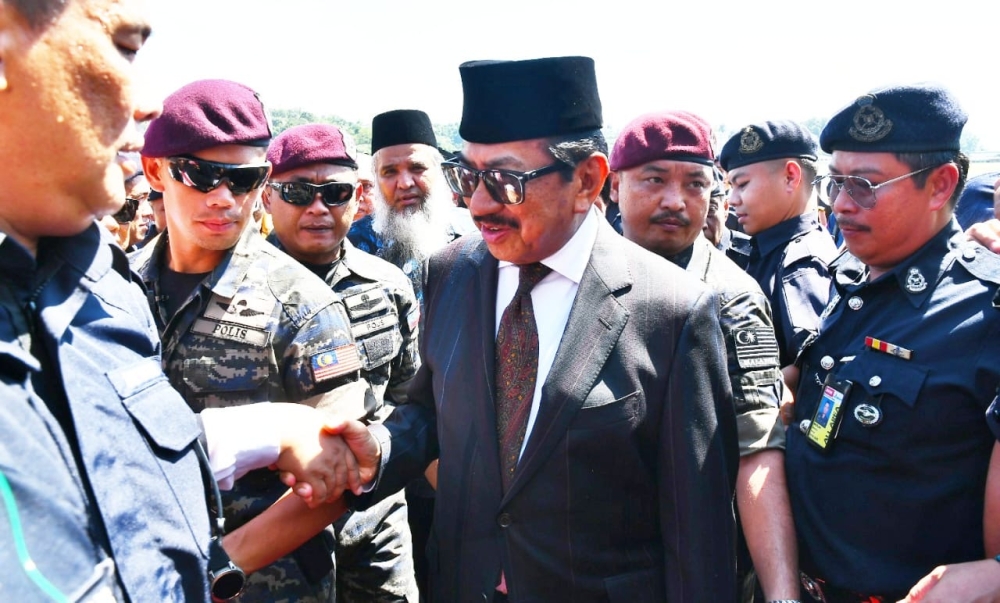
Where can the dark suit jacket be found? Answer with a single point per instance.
(624, 491)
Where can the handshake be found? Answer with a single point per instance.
(318, 454)
(321, 457)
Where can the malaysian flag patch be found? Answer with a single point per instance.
(335, 362)
(756, 348)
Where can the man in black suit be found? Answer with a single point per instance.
(611, 474)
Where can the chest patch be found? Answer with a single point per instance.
(233, 332)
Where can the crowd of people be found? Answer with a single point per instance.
(239, 364)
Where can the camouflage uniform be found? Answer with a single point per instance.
(260, 328)
(374, 548)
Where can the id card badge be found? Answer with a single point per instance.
(826, 421)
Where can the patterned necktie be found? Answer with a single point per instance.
(516, 368)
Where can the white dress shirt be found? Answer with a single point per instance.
(552, 299)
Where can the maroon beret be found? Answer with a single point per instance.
(206, 114)
(311, 143)
(676, 135)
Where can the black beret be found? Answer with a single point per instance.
(402, 126)
(902, 119)
(206, 114)
(767, 141)
(522, 100)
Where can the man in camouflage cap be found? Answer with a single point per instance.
(313, 192)
(241, 322)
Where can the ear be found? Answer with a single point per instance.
(591, 172)
(792, 175)
(155, 169)
(942, 182)
(616, 181)
(266, 197)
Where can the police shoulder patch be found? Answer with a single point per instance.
(334, 362)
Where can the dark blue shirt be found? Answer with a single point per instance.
(98, 450)
(789, 261)
(886, 503)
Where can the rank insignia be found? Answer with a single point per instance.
(870, 123)
(335, 362)
(915, 281)
(888, 348)
(750, 141)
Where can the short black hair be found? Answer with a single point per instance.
(919, 161)
(38, 13)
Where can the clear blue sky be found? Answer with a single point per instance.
(731, 61)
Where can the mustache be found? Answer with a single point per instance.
(844, 221)
(663, 216)
(496, 221)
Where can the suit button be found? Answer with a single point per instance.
(504, 520)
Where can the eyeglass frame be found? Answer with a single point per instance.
(522, 178)
(277, 186)
(173, 161)
(872, 187)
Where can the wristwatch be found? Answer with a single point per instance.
(225, 578)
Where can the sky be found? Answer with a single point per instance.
(732, 61)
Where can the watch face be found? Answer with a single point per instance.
(228, 584)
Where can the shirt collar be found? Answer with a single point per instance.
(771, 238)
(572, 258)
(917, 275)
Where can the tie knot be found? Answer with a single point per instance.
(529, 276)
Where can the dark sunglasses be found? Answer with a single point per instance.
(206, 176)
(303, 193)
(504, 186)
(127, 213)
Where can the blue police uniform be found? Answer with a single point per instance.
(97, 448)
(899, 488)
(789, 261)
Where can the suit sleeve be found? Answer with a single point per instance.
(698, 459)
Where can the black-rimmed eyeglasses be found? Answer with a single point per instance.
(504, 186)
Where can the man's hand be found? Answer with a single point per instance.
(973, 582)
(316, 463)
(364, 446)
(320, 473)
(986, 234)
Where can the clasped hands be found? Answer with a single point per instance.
(321, 457)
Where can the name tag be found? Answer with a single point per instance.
(232, 332)
(372, 326)
(826, 422)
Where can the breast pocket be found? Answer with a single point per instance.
(884, 391)
(170, 429)
(600, 410)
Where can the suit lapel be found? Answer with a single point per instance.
(594, 326)
(486, 297)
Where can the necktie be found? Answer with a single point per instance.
(516, 368)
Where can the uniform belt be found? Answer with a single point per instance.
(822, 591)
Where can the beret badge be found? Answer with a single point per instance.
(870, 123)
(750, 141)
